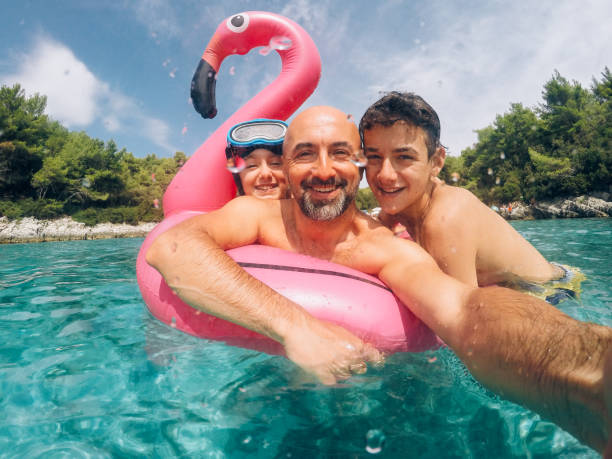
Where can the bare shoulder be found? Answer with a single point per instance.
(454, 211)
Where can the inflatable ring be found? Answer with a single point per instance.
(359, 302)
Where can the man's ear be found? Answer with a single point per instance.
(438, 159)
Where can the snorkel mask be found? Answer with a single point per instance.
(245, 137)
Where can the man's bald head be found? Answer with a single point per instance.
(318, 153)
(317, 119)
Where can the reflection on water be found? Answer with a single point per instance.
(86, 371)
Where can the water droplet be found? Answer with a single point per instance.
(375, 440)
(502, 155)
(235, 164)
(497, 180)
(349, 117)
(232, 70)
(265, 50)
(280, 43)
(184, 130)
(166, 62)
(156, 203)
(153, 177)
(247, 440)
(1, 132)
(173, 322)
(210, 74)
(359, 159)
(417, 41)
(432, 359)
(173, 72)
(422, 23)
(242, 389)
(534, 128)
(85, 182)
(455, 177)
(490, 171)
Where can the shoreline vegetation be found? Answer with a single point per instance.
(29, 229)
(553, 160)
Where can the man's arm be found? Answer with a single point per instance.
(192, 260)
(515, 344)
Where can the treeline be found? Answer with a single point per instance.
(560, 148)
(47, 171)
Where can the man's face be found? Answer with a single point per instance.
(317, 163)
(398, 169)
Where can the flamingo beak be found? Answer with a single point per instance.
(203, 86)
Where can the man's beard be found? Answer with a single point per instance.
(326, 210)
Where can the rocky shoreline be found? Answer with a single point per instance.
(595, 205)
(65, 229)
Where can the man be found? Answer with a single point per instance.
(491, 329)
(468, 240)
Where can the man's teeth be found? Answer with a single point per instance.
(324, 189)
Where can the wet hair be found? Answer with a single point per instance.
(404, 106)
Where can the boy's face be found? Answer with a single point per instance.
(398, 169)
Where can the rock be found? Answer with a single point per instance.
(63, 229)
(581, 206)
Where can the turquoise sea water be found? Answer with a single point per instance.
(86, 372)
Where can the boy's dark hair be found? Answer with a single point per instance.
(404, 106)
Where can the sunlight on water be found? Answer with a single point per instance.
(85, 371)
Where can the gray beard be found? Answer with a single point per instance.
(326, 210)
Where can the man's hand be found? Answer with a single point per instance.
(328, 351)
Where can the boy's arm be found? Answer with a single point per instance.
(192, 260)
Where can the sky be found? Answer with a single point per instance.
(122, 69)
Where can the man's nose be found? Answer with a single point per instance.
(324, 167)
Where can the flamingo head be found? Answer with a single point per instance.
(238, 34)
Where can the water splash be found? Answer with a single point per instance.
(455, 177)
(280, 43)
(375, 440)
(173, 72)
(502, 155)
(184, 130)
(265, 50)
(359, 159)
(235, 165)
(490, 171)
(165, 63)
(497, 180)
(232, 70)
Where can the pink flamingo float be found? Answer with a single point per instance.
(357, 301)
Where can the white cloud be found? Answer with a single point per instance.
(479, 62)
(71, 89)
(77, 98)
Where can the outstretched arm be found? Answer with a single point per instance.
(192, 260)
(517, 345)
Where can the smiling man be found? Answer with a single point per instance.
(502, 335)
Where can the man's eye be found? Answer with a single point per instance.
(304, 155)
(341, 154)
(373, 158)
(276, 164)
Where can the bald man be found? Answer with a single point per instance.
(515, 344)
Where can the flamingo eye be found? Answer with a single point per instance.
(238, 23)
